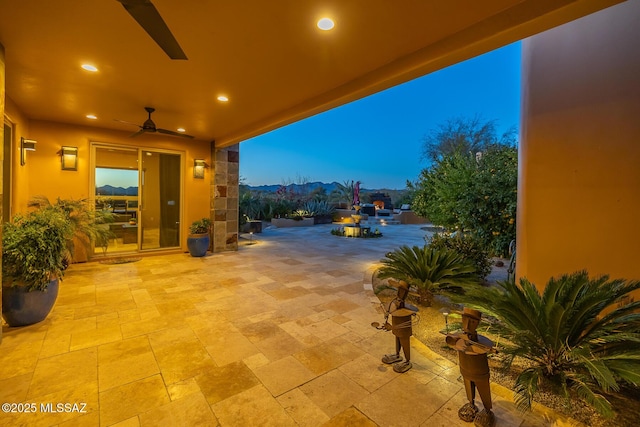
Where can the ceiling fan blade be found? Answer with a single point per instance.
(140, 132)
(128, 123)
(170, 132)
(146, 14)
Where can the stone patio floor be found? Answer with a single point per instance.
(276, 334)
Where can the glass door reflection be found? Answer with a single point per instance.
(160, 207)
(116, 192)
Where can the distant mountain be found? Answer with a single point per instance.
(109, 190)
(298, 188)
(305, 188)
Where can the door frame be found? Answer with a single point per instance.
(8, 170)
(139, 149)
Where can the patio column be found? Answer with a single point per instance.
(225, 179)
(579, 177)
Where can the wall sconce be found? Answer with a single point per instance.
(69, 158)
(198, 168)
(26, 145)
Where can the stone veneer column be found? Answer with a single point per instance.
(225, 181)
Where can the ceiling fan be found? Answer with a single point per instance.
(146, 14)
(150, 127)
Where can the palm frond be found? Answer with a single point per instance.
(525, 388)
(598, 401)
(430, 270)
(580, 334)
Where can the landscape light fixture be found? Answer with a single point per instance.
(198, 168)
(445, 312)
(69, 158)
(26, 145)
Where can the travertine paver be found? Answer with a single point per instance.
(277, 333)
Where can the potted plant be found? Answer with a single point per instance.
(89, 225)
(34, 251)
(198, 240)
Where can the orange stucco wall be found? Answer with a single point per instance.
(42, 173)
(579, 183)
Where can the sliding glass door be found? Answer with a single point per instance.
(161, 206)
(141, 191)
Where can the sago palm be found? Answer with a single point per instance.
(429, 270)
(581, 335)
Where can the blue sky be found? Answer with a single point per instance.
(378, 140)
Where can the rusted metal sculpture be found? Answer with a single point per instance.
(402, 316)
(474, 367)
(356, 193)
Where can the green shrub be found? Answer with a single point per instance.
(581, 336)
(89, 225)
(471, 249)
(251, 207)
(339, 231)
(279, 208)
(34, 247)
(475, 194)
(429, 270)
(200, 226)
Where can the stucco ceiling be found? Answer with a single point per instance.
(268, 57)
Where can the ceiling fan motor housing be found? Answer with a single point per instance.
(149, 124)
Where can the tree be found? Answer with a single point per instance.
(492, 199)
(343, 193)
(441, 192)
(464, 135)
(478, 196)
(471, 182)
(318, 194)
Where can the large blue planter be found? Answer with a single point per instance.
(198, 244)
(21, 308)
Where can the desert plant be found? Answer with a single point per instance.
(251, 207)
(299, 214)
(343, 194)
(468, 246)
(201, 226)
(428, 270)
(34, 248)
(580, 335)
(318, 207)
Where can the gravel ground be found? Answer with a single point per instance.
(429, 331)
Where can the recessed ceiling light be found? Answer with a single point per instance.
(92, 117)
(223, 98)
(89, 67)
(325, 24)
(181, 130)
